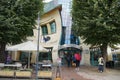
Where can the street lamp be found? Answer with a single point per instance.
(37, 56)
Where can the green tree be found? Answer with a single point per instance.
(97, 22)
(17, 20)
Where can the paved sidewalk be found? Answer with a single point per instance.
(71, 74)
(85, 73)
(89, 73)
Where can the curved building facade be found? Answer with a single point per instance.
(51, 30)
(62, 41)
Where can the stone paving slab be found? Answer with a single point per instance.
(92, 73)
(89, 73)
(85, 73)
(71, 74)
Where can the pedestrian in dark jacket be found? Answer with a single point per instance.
(69, 59)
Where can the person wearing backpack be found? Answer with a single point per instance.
(100, 64)
(78, 59)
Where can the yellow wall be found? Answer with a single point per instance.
(49, 17)
(53, 15)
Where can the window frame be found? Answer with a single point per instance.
(44, 29)
(53, 28)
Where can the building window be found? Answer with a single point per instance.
(25, 57)
(46, 55)
(44, 30)
(53, 27)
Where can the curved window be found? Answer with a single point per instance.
(53, 27)
(44, 30)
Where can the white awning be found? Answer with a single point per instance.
(26, 46)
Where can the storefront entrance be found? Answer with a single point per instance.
(94, 54)
(67, 51)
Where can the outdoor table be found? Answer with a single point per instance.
(17, 65)
(40, 63)
(47, 65)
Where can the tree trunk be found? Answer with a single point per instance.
(2, 53)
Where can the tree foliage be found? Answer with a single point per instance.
(17, 20)
(97, 21)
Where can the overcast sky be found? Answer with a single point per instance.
(47, 0)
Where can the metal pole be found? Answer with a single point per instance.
(37, 56)
(29, 60)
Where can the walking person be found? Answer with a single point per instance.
(100, 64)
(78, 59)
(114, 59)
(69, 60)
(73, 61)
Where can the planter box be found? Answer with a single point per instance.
(4, 73)
(45, 74)
(23, 74)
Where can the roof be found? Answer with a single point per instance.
(51, 6)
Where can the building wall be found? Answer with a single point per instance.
(53, 15)
(85, 54)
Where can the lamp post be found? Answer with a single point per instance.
(37, 56)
